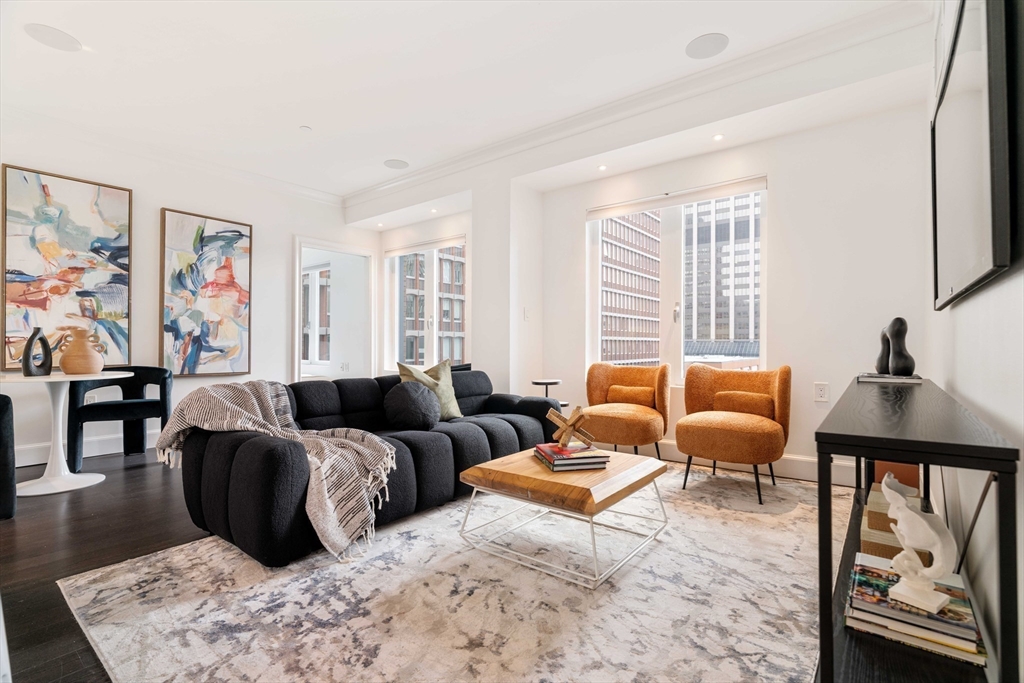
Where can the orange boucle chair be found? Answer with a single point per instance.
(628, 404)
(735, 416)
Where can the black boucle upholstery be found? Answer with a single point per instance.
(434, 466)
(250, 489)
(469, 447)
(317, 399)
(387, 383)
(267, 500)
(220, 456)
(401, 494)
(411, 405)
(500, 434)
(192, 454)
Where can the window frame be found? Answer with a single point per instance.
(312, 314)
(672, 330)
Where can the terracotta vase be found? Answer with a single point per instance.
(81, 352)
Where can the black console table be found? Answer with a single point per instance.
(914, 424)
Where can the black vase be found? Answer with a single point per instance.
(882, 364)
(901, 363)
(28, 367)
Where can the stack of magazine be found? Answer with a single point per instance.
(952, 632)
(575, 456)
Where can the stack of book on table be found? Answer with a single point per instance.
(576, 456)
(952, 632)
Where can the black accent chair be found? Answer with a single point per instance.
(8, 487)
(132, 409)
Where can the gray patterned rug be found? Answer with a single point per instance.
(726, 593)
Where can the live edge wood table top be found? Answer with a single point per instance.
(586, 492)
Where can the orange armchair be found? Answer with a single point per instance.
(735, 416)
(628, 404)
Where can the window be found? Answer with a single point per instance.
(718, 272)
(430, 289)
(316, 315)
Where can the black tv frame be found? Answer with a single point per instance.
(999, 151)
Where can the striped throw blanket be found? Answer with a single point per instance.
(348, 468)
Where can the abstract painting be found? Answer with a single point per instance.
(65, 259)
(205, 275)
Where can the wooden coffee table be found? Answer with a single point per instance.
(580, 495)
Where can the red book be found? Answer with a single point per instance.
(577, 453)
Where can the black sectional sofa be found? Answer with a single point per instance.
(250, 489)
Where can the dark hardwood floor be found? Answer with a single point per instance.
(137, 510)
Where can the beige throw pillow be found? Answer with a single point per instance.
(439, 380)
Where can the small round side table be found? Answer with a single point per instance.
(547, 383)
(57, 478)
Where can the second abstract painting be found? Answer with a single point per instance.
(205, 275)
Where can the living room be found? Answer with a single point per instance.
(437, 185)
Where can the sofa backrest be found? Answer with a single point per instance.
(359, 403)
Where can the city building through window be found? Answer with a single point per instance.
(431, 289)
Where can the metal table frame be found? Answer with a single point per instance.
(586, 580)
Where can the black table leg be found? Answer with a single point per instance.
(825, 636)
(1009, 656)
(926, 483)
(869, 474)
(857, 463)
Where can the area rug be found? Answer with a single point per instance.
(728, 592)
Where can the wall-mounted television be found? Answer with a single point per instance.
(970, 156)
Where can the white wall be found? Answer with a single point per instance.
(276, 213)
(351, 348)
(842, 254)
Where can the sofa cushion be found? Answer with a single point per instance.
(528, 429)
(641, 396)
(472, 389)
(469, 448)
(317, 405)
(400, 495)
(439, 380)
(433, 463)
(501, 436)
(411, 405)
(745, 402)
(624, 424)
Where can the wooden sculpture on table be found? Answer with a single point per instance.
(570, 427)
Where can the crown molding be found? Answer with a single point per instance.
(166, 155)
(879, 23)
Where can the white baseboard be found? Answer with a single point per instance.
(38, 453)
(791, 466)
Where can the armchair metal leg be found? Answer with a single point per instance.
(636, 450)
(657, 450)
(74, 452)
(757, 481)
(772, 471)
(714, 466)
(616, 447)
(686, 476)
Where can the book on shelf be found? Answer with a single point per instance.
(952, 632)
(876, 378)
(884, 544)
(569, 466)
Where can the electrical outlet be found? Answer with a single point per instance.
(90, 399)
(821, 392)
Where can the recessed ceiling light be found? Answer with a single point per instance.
(380, 225)
(433, 211)
(53, 37)
(707, 46)
(602, 167)
(718, 138)
(397, 164)
(306, 129)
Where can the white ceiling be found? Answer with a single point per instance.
(902, 88)
(231, 82)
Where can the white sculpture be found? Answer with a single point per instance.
(918, 530)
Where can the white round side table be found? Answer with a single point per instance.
(57, 478)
